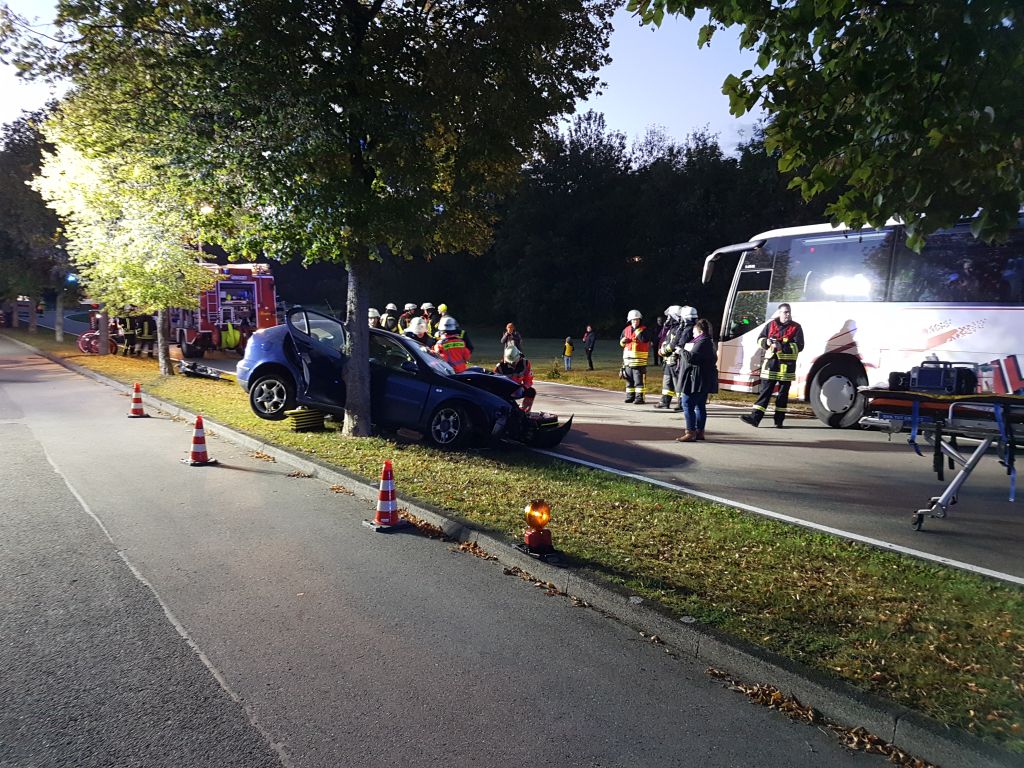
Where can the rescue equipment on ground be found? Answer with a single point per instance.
(306, 419)
(386, 519)
(198, 457)
(927, 401)
(137, 411)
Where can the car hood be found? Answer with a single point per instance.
(502, 386)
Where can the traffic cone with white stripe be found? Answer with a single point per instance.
(387, 518)
(136, 411)
(198, 457)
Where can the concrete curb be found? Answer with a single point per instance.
(837, 700)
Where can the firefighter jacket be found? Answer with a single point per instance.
(521, 373)
(452, 348)
(389, 321)
(636, 346)
(145, 329)
(780, 360)
(404, 319)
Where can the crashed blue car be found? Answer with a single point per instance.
(302, 362)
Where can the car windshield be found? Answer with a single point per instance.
(432, 361)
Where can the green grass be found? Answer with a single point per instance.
(944, 642)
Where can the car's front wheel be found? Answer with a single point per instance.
(270, 396)
(449, 427)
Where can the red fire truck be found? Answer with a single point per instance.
(242, 301)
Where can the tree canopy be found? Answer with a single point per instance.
(332, 131)
(909, 110)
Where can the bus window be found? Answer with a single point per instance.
(749, 304)
(852, 266)
(955, 266)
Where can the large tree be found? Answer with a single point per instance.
(908, 109)
(335, 131)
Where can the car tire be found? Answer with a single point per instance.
(833, 393)
(449, 426)
(271, 396)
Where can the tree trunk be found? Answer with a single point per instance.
(357, 370)
(163, 338)
(58, 318)
(104, 331)
(33, 317)
(15, 322)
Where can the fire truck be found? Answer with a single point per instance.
(242, 301)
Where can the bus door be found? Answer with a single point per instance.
(739, 357)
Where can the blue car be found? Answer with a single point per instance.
(302, 362)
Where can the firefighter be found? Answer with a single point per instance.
(518, 368)
(374, 316)
(443, 309)
(782, 339)
(450, 345)
(417, 331)
(128, 332)
(389, 320)
(408, 313)
(433, 318)
(687, 320)
(636, 346)
(145, 333)
(667, 348)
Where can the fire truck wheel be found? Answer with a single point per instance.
(271, 396)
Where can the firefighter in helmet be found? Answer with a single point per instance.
(443, 309)
(374, 317)
(450, 345)
(417, 331)
(408, 313)
(432, 316)
(636, 346)
(389, 320)
(517, 367)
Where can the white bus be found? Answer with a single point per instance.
(869, 306)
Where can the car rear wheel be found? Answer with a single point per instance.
(833, 393)
(271, 396)
(449, 427)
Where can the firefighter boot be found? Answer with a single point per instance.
(751, 418)
(630, 397)
(664, 402)
(639, 400)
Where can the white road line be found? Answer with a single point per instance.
(794, 520)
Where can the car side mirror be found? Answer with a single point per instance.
(410, 366)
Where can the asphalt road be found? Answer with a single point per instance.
(853, 480)
(273, 628)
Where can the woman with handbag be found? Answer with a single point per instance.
(699, 380)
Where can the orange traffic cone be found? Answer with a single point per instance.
(136, 411)
(387, 518)
(199, 457)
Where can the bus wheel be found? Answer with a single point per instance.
(833, 393)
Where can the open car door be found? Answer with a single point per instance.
(319, 341)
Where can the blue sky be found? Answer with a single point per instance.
(657, 77)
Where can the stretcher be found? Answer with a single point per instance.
(943, 420)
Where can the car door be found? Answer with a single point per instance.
(398, 387)
(320, 343)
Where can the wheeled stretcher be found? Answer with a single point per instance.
(942, 420)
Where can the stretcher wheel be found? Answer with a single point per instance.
(918, 520)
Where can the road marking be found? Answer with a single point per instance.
(274, 744)
(793, 520)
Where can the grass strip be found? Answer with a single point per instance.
(939, 640)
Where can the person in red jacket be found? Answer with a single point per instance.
(518, 368)
(636, 345)
(451, 346)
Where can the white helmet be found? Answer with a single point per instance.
(418, 326)
(512, 354)
(373, 313)
(426, 305)
(410, 307)
(391, 306)
(634, 314)
(448, 323)
(688, 313)
(673, 311)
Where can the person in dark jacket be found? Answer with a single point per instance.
(782, 339)
(700, 380)
(512, 338)
(589, 339)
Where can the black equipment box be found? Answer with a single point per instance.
(943, 378)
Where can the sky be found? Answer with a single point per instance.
(658, 77)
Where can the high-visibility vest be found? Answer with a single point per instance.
(453, 349)
(635, 347)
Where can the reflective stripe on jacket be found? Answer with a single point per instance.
(635, 347)
(780, 364)
(454, 350)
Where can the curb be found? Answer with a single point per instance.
(837, 700)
